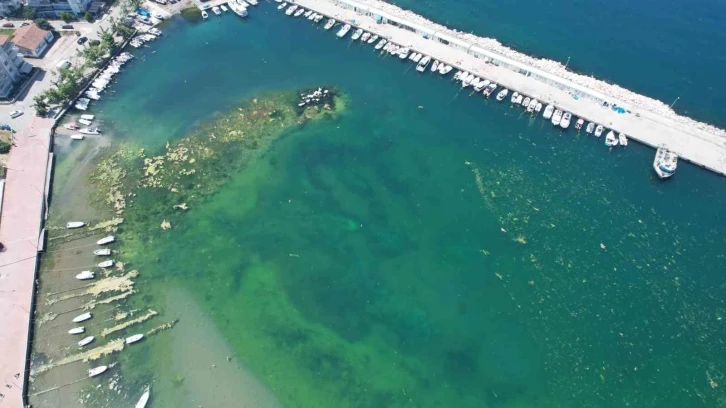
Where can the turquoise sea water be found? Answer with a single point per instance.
(428, 248)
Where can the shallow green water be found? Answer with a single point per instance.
(428, 248)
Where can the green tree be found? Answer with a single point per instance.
(42, 23)
(67, 17)
(28, 13)
(40, 105)
(91, 54)
(134, 4)
(107, 42)
(88, 17)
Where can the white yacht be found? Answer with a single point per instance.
(85, 275)
(466, 81)
(565, 122)
(373, 39)
(590, 127)
(356, 34)
(299, 12)
(435, 66)
(548, 111)
(106, 264)
(491, 88)
(216, 11)
(237, 9)
(329, 24)
(291, 9)
(365, 36)
(623, 139)
(514, 96)
(134, 338)
(106, 240)
(204, 15)
(531, 105)
(538, 108)
(144, 398)
(97, 371)
(445, 69)
(475, 82)
(283, 5)
(82, 317)
(75, 224)
(343, 31)
(502, 94)
(403, 54)
(77, 330)
(88, 117)
(610, 139)
(557, 117)
(525, 103)
(421, 66)
(308, 13)
(381, 44)
(481, 85)
(102, 252)
(665, 162)
(598, 130)
(85, 341)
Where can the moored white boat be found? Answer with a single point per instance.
(599, 130)
(106, 240)
(308, 13)
(421, 66)
(623, 139)
(144, 398)
(283, 5)
(514, 96)
(518, 101)
(590, 127)
(77, 137)
(557, 117)
(216, 11)
(466, 80)
(224, 8)
(531, 105)
(365, 36)
(106, 264)
(357, 34)
(134, 338)
(502, 94)
(82, 317)
(97, 370)
(565, 122)
(299, 12)
(343, 31)
(579, 123)
(412, 55)
(85, 275)
(102, 252)
(525, 103)
(444, 68)
(373, 39)
(329, 24)
(90, 131)
(291, 9)
(88, 117)
(77, 330)
(548, 111)
(381, 44)
(435, 66)
(85, 341)
(610, 139)
(417, 57)
(480, 84)
(85, 122)
(75, 224)
(538, 107)
(403, 54)
(238, 9)
(71, 126)
(204, 15)
(665, 162)
(490, 89)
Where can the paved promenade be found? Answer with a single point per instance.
(20, 224)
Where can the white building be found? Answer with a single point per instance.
(12, 66)
(53, 8)
(7, 6)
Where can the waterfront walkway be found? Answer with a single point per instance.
(22, 217)
(696, 145)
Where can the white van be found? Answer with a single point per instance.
(64, 64)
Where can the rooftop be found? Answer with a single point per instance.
(29, 36)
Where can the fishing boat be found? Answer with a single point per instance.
(514, 97)
(665, 162)
(525, 103)
(106, 264)
(502, 94)
(106, 240)
(491, 88)
(623, 139)
(291, 9)
(444, 69)
(299, 12)
(565, 122)
(144, 398)
(373, 39)
(224, 8)
(328, 24)
(85, 122)
(216, 11)
(599, 130)
(134, 338)
(82, 318)
(102, 252)
(557, 117)
(531, 105)
(283, 5)
(88, 117)
(204, 15)
(538, 108)
(90, 131)
(343, 31)
(435, 66)
(71, 126)
(403, 54)
(357, 34)
(85, 275)
(548, 111)
(590, 127)
(308, 13)
(365, 36)
(77, 330)
(85, 341)
(421, 66)
(77, 137)
(97, 371)
(579, 123)
(75, 224)
(610, 139)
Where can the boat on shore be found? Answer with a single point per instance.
(82, 317)
(599, 130)
(579, 123)
(97, 371)
(610, 139)
(590, 127)
(421, 66)
(106, 264)
(85, 341)
(343, 31)
(328, 24)
(557, 117)
(565, 122)
(623, 139)
(144, 398)
(357, 34)
(548, 111)
(102, 252)
(106, 240)
(134, 338)
(86, 275)
(90, 131)
(665, 162)
(75, 224)
(77, 330)
(502, 94)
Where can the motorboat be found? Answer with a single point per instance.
(71, 126)
(490, 89)
(599, 130)
(328, 24)
(445, 69)
(102, 252)
(106, 264)
(590, 127)
(308, 13)
(88, 117)
(318, 18)
(514, 96)
(579, 123)
(224, 8)
(343, 31)
(435, 66)
(75, 224)
(538, 107)
(381, 44)
(311, 16)
(82, 318)
(403, 54)
(238, 9)
(610, 139)
(204, 15)
(253, 2)
(106, 240)
(412, 55)
(531, 105)
(421, 66)
(394, 49)
(85, 275)
(283, 5)
(557, 117)
(365, 36)
(480, 84)
(299, 12)
(357, 34)
(416, 57)
(525, 103)
(565, 122)
(77, 330)
(548, 111)
(623, 139)
(502, 94)
(291, 9)
(457, 76)
(373, 39)
(90, 131)
(144, 398)
(467, 80)
(216, 11)
(85, 122)
(519, 99)
(665, 162)
(387, 47)
(82, 103)
(85, 341)
(97, 371)
(134, 338)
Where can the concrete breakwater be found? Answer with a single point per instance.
(641, 118)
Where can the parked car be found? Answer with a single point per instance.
(8, 25)
(24, 24)
(82, 40)
(14, 114)
(67, 26)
